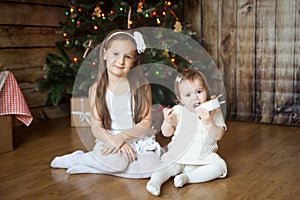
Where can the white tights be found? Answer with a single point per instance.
(79, 162)
(184, 174)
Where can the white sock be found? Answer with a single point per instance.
(159, 177)
(153, 188)
(181, 180)
(83, 169)
(66, 161)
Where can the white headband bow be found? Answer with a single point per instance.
(138, 38)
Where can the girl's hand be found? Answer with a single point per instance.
(113, 144)
(168, 115)
(127, 152)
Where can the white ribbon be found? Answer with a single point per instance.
(178, 79)
(140, 43)
(83, 116)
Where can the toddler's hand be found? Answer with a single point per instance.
(204, 115)
(168, 115)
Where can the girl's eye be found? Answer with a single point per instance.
(199, 91)
(115, 54)
(188, 95)
(129, 57)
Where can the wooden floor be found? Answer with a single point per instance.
(263, 162)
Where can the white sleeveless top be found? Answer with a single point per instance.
(120, 111)
(122, 119)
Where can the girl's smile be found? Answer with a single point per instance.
(120, 57)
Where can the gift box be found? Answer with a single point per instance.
(80, 112)
(6, 134)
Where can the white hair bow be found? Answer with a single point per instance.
(138, 38)
(140, 43)
(179, 79)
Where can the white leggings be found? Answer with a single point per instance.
(194, 173)
(94, 162)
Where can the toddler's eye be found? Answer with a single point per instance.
(198, 91)
(187, 95)
(115, 54)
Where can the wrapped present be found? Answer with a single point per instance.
(80, 112)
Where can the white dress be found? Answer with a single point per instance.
(190, 144)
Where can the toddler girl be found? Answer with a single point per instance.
(192, 153)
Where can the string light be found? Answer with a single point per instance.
(64, 34)
(75, 59)
(95, 27)
(172, 60)
(157, 21)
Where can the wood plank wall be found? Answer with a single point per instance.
(29, 30)
(256, 46)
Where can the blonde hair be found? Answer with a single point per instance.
(190, 74)
(139, 86)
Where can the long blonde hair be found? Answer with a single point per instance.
(139, 86)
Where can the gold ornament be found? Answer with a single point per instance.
(177, 26)
(166, 52)
(97, 11)
(140, 7)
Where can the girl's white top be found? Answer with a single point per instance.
(120, 111)
(122, 119)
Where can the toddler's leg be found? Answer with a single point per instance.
(200, 174)
(162, 175)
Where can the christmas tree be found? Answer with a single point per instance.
(89, 21)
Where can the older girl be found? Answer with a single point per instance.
(120, 115)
